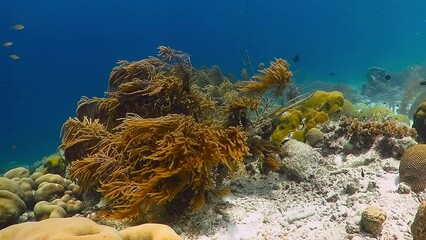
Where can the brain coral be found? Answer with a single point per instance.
(412, 168)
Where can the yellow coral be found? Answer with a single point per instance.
(296, 121)
(287, 122)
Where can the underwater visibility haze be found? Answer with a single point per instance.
(242, 119)
(54, 52)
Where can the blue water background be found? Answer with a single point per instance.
(69, 47)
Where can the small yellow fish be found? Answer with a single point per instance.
(7, 44)
(14, 57)
(18, 27)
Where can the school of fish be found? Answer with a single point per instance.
(7, 44)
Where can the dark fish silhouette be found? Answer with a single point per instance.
(422, 83)
(332, 74)
(388, 77)
(296, 58)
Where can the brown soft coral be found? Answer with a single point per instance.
(276, 77)
(158, 159)
(81, 137)
(151, 87)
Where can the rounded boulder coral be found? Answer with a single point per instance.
(412, 169)
(11, 207)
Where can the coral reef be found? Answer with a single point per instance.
(412, 168)
(157, 140)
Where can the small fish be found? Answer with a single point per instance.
(422, 83)
(388, 77)
(332, 74)
(14, 57)
(296, 58)
(7, 44)
(18, 27)
(13, 147)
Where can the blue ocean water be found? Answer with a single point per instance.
(68, 48)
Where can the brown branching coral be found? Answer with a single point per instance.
(276, 77)
(158, 159)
